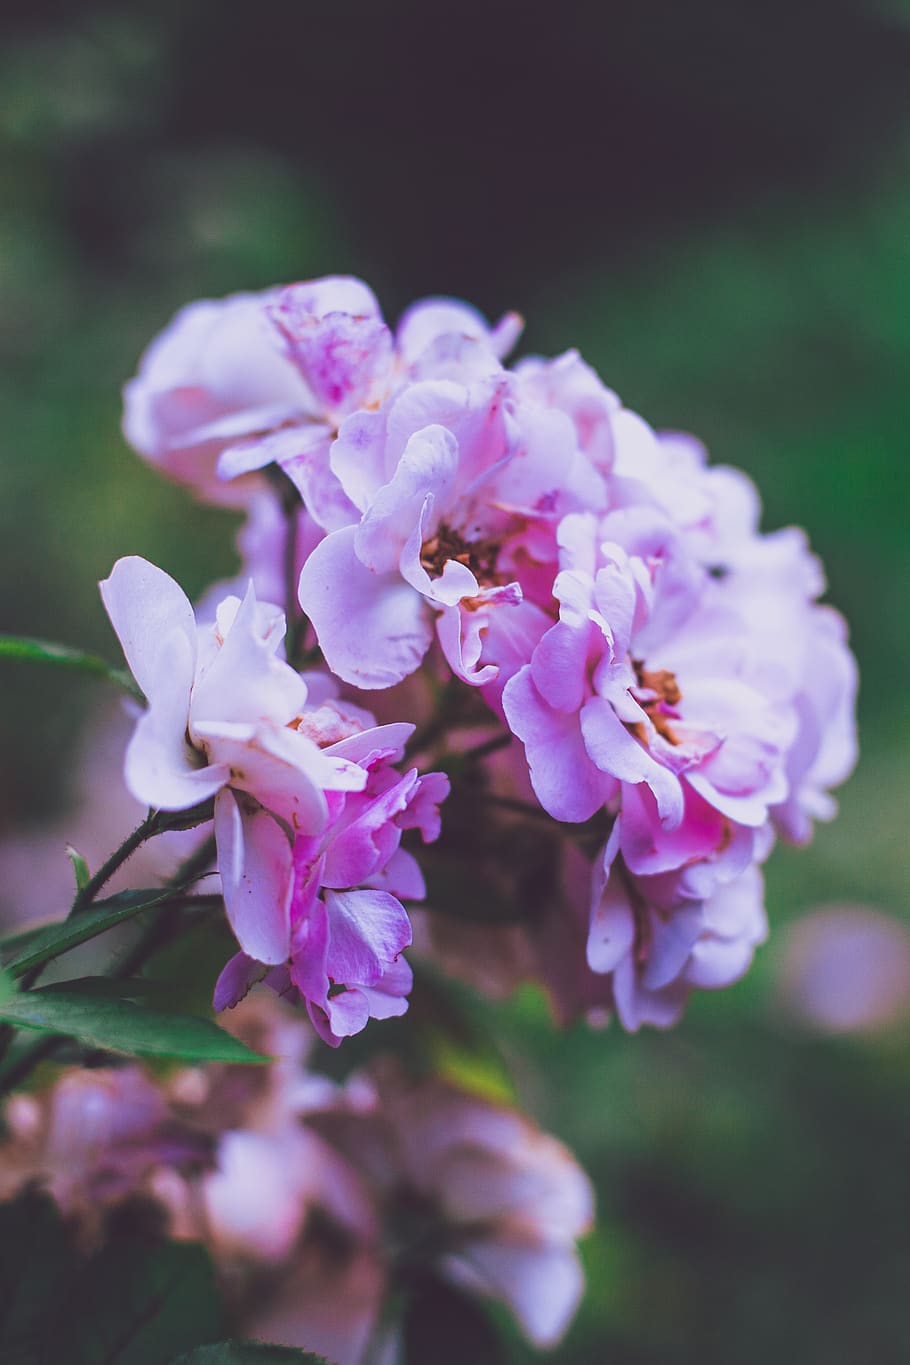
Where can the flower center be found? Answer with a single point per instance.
(665, 693)
(479, 556)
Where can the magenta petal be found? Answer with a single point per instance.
(256, 866)
(672, 940)
(367, 931)
(236, 980)
(373, 628)
(567, 783)
(614, 750)
(427, 468)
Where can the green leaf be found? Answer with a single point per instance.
(248, 1353)
(137, 1302)
(36, 1259)
(80, 867)
(97, 1021)
(62, 656)
(59, 938)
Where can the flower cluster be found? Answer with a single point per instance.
(317, 1201)
(666, 666)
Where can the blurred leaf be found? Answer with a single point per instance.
(35, 1260)
(55, 939)
(136, 1303)
(479, 1072)
(248, 1353)
(123, 1026)
(80, 867)
(62, 656)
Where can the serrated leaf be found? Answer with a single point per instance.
(248, 1353)
(56, 939)
(63, 656)
(123, 1026)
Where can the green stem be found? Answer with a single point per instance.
(154, 938)
(150, 826)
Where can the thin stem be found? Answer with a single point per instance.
(489, 746)
(150, 826)
(162, 927)
(149, 943)
(516, 807)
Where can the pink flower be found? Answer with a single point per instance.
(215, 374)
(348, 927)
(459, 484)
(228, 718)
(503, 1203)
(846, 969)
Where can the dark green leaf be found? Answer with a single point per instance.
(59, 938)
(248, 1353)
(62, 656)
(36, 1261)
(123, 1026)
(137, 1302)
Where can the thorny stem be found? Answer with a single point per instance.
(151, 825)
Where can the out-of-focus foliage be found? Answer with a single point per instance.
(712, 202)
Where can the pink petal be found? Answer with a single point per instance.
(145, 605)
(567, 783)
(427, 468)
(372, 628)
(256, 866)
(615, 751)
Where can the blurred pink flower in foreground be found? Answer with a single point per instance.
(316, 1199)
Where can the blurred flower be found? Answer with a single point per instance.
(846, 969)
(317, 1201)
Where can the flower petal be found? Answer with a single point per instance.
(256, 866)
(373, 628)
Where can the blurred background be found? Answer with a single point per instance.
(712, 201)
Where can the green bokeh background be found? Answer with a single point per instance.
(712, 201)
